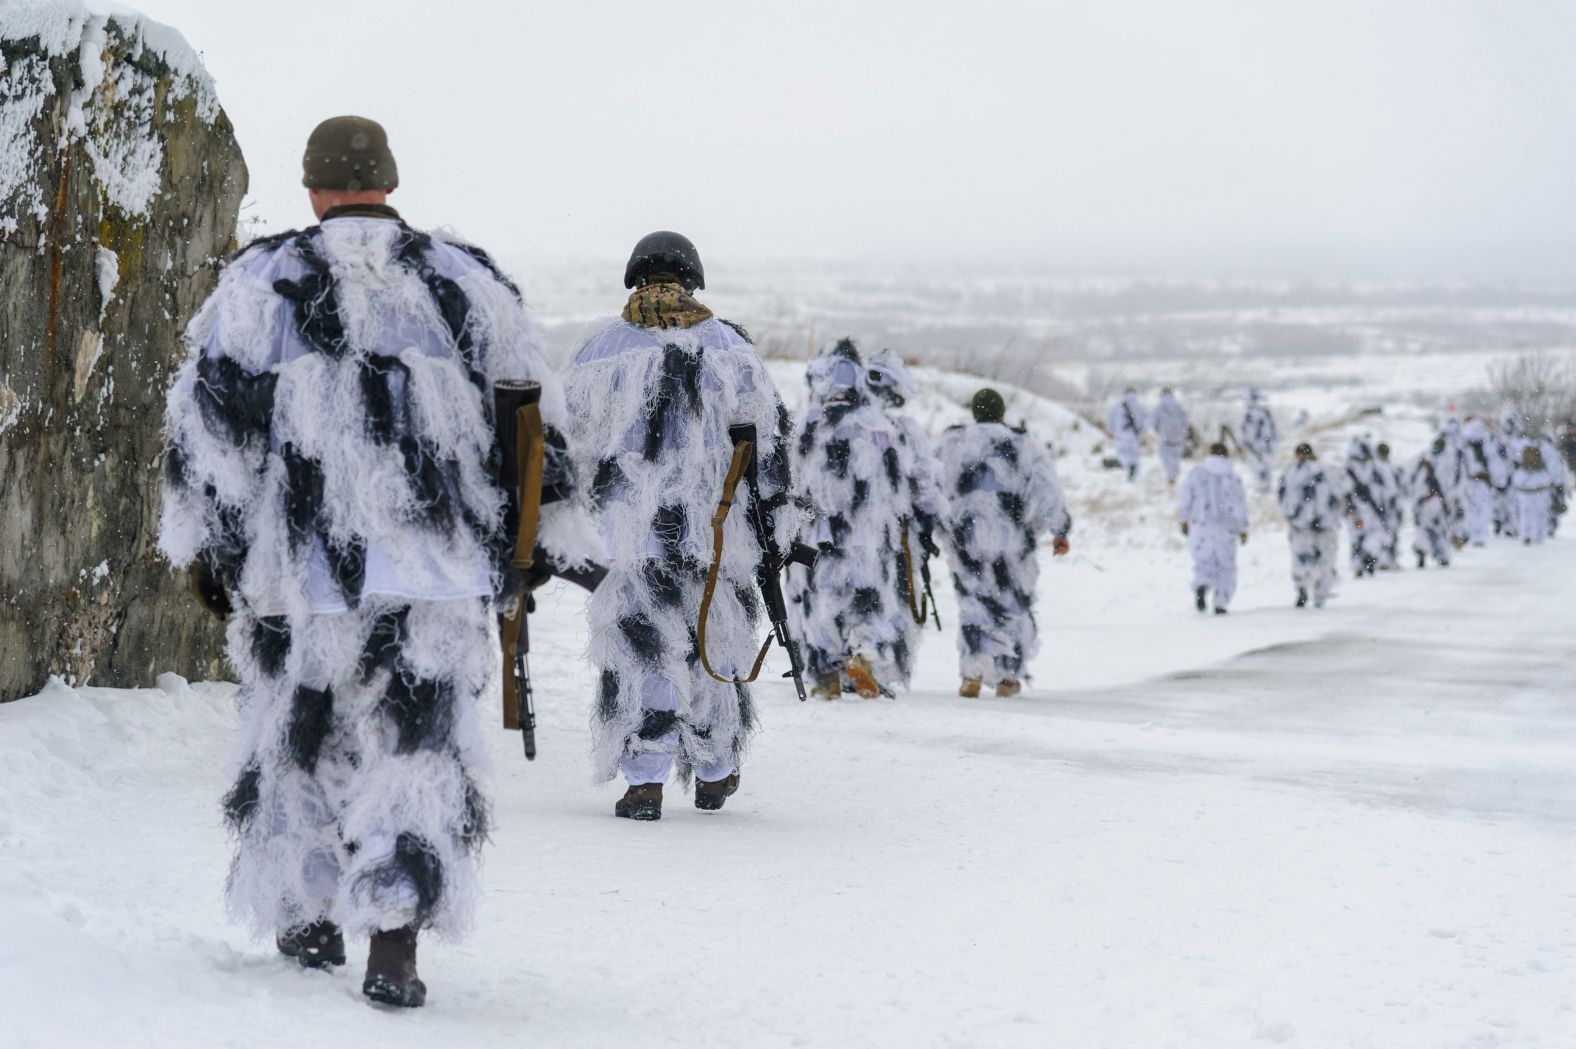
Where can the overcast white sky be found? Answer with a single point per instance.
(1429, 138)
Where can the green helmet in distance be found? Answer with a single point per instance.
(988, 406)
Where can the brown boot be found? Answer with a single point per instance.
(1005, 689)
(316, 946)
(970, 689)
(640, 803)
(831, 687)
(858, 671)
(709, 796)
(391, 970)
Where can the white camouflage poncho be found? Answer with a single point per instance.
(1004, 495)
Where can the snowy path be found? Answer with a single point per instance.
(1349, 828)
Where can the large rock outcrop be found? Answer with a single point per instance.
(120, 182)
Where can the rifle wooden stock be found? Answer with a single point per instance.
(523, 447)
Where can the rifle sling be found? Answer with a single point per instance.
(742, 451)
(918, 608)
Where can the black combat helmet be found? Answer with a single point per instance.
(665, 252)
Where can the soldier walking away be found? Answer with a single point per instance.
(891, 386)
(653, 395)
(1507, 446)
(1485, 476)
(1311, 504)
(328, 478)
(855, 605)
(1259, 437)
(1549, 452)
(1394, 488)
(1126, 423)
(1173, 431)
(1433, 489)
(1534, 487)
(1004, 495)
(1213, 509)
(1367, 506)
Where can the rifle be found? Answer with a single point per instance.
(743, 467)
(522, 440)
(921, 608)
(930, 597)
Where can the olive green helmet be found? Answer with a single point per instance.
(349, 153)
(988, 406)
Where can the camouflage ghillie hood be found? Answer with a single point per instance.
(664, 306)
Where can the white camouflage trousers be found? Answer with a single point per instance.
(1214, 562)
(1432, 527)
(1313, 556)
(1171, 459)
(357, 797)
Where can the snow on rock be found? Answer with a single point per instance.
(108, 278)
(111, 108)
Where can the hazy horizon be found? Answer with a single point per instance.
(1409, 140)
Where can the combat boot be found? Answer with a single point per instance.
(1422, 559)
(1302, 598)
(858, 671)
(1198, 599)
(319, 945)
(391, 970)
(710, 795)
(970, 689)
(831, 687)
(640, 803)
(1008, 689)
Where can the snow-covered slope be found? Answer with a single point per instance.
(1347, 828)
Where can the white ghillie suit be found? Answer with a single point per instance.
(1554, 463)
(1311, 503)
(1368, 505)
(651, 408)
(1259, 438)
(1005, 495)
(891, 386)
(1433, 486)
(1453, 463)
(330, 451)
(1126, 423)
(1534, 493)
(1171, 428)
(1486, 474)
(1507, 445)
(1214, 506)
(853, 467)
(1394, 488)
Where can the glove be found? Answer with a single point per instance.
(209, 590)
(1060, 546)
(1244, 538)
(1184, 528)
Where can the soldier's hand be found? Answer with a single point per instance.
(209, 590)
(1184, 528)
(1244, 538)
(1357, 522)
(1060, 546)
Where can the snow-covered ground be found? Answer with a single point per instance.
(1354, 827)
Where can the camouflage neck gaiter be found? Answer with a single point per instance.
(664, 306)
